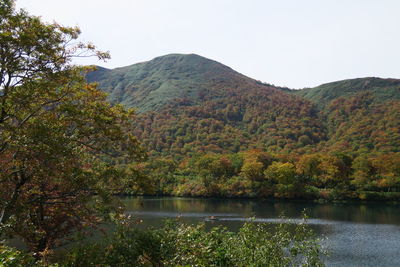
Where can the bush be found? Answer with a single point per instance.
(179, 244)
(10, 257)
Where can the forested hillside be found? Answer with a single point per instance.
(381, 89)
(212, 131)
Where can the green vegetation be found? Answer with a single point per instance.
(382, 90)
(151, 85)
(178, 244)
(11, 257)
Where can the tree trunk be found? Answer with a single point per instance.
(6, 211)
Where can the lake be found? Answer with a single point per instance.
(358, 234)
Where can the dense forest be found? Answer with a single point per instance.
(211, 131)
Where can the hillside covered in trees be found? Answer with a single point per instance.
(212, 131)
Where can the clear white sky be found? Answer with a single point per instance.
(294, 43)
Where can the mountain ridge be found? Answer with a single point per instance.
(150, 84)
(188, 104)
(382, 88)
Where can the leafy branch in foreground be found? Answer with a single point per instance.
(60, 139)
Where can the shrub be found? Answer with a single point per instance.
(179, 244)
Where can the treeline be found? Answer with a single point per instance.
(256, 173)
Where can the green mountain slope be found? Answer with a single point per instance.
(382, 90)
(150, 85)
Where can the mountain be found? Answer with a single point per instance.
(211, 131)
(189, 104)
(382, 90)
(150, 85)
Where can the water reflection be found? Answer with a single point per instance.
(373, 213)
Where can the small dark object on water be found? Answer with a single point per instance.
(212, 218)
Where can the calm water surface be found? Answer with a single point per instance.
(357, 234)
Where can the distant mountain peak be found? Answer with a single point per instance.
(180, 56)
(152, 84)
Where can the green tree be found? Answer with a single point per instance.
(160, 172)
(60, 141)
(252, 170)
(283, 175)
(334, 171)
(387, 168)
(308, 165)
(255, 162)
(363, 172)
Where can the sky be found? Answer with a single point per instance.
(293, 43)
